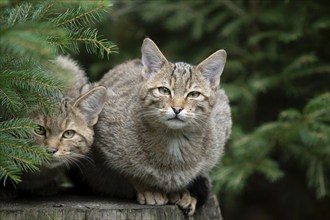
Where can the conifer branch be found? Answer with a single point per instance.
(9, 170)
(19, 82)
(22, 163)
(27, 13)
(24, 146)
(45, 9)
(102, 45)
(31, 36)
(17, 127)
(7, 100)
(93, 44)
(75, 18)
(16, 16)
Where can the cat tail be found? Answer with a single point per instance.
(72, 74)
(200, 188)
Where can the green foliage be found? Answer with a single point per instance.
(32, 34)
(42, 28)
(24, 86)
(17, 150)
(302, 136)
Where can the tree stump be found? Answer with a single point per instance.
(74, 207)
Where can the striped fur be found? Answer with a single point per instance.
(140, 136)
(67, 131)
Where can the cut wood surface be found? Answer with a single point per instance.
(74, 207)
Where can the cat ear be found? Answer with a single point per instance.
(212, 67)
(152, 58)
(91, 104)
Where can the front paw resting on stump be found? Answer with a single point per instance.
(185, 201)
(152, 198)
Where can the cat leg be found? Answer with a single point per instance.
(185, 201)
(200, 188)
(149, 197)
(152, 198)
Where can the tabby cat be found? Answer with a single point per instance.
(166, 127)
(67, 131)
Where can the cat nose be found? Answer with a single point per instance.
(52, 150)
(177, 109)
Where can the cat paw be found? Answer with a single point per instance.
(185, 201)
(152, 198)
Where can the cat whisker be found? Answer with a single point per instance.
(76, 163)
(201, 120)
(83, 157)
(78, 160)
(77, 157)
(73, 160)
(149, 113)
(66, 161)
(199, 123)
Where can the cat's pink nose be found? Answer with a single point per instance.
(177, 109)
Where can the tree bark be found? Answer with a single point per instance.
(74, 207)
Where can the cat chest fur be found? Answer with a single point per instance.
(175, 146)
(173, 162)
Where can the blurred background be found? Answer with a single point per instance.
(277, 76)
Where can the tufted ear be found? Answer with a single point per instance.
(91, 104)
(212, 67)
(152, 58)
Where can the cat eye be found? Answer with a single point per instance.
(69, 134)
(164, 91)
(193, 94)
(40, 130)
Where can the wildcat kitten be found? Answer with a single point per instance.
(67, 131)
(168, 127)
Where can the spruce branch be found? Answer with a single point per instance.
(32, 33)
(28, 39)
(42, 10)
(93, 43)
(24, 147)
(34, 80)
(317, 177)
(85, 14)
(89, 37)
(77, 17)
(19, 155)
(8, 101)
(9, 170)
(25, 164)
(19, 128)
(29, 31)
(27, 89)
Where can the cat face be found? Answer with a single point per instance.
(179, 94)
(68, 132)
